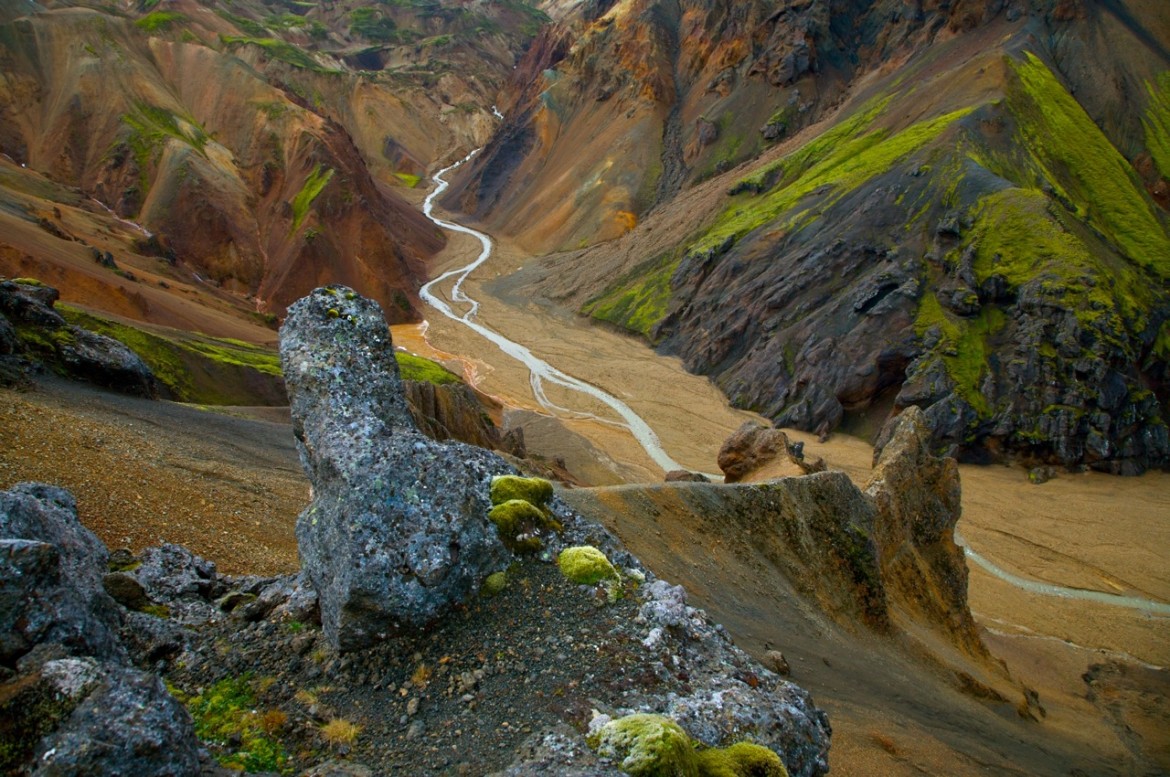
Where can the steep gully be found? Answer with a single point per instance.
(541, 371)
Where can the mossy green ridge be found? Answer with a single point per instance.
(159, 20)
(646, 745)
(962, 346)
(226, 713)
(1156, 123)
(416, 368)
(536, 491)
(743, 759)
(195, 367)
(586, 565)
(314, 184)
(835, 164)
(151, 127)
(279, 49)
(1090, 175)
(638, 300)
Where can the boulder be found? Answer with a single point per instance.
(123, 722)
(51, 570)
(684, 476)
(76, 352)
(759, 451)
(105, 362)
(398, 528)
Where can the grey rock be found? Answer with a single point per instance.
(125, 590)
(24, 303)
(336, 768)
(106, 362)
(51, 587)
(561, 751)
(398, 529)
(171, 573)
(8, 341)
(124, 723)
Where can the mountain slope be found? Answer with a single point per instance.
(264, 145)
(961, 234)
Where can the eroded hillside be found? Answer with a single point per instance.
(263, 147)
(961, 208)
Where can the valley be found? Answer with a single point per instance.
(680, 216)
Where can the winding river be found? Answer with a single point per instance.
(541, 372)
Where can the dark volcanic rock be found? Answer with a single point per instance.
(51, 587)
(398, 528)
(123, 722)
(73, 351)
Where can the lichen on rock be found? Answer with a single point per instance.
(586, 565)
(647, 745)
(398, 529)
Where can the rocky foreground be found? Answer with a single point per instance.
(450, 616)
(448, 638)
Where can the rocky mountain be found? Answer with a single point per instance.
(264, 147)
(841, 209)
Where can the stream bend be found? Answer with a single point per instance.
(539, 370)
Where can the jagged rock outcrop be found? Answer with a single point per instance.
(69, 702)
(36, 331)
(453, 411)
(51, 590)
(398, 529)
(918, 500)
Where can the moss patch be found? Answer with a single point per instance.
(416, 368)
(226, 713)
(159, 20)
(535, 491)
(518, 522)
(314, 184)
(1156, 123)
(586, 565)
(647, 746)
(193, 367)
(743, 759)
(638, 301)
(1090, 174)
(833, 165)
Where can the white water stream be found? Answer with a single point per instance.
(539, 370)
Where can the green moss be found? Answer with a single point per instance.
(314, 184)
(410, 179)
(417, 368)
(743, 759)
(181, 362)
(517, 523)
(962, 347)
(157, 610)
(28, 281)
(278, 49)
(833, 165)
(1156, 123)
(226, 713)
(1074, 155)
(494, 584)
(638, 301)
(647, 746)
(29, 710)
(159, 20)
(586, 565)
(535, 491)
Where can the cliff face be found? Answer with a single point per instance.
(265, 149)
(976, 224)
